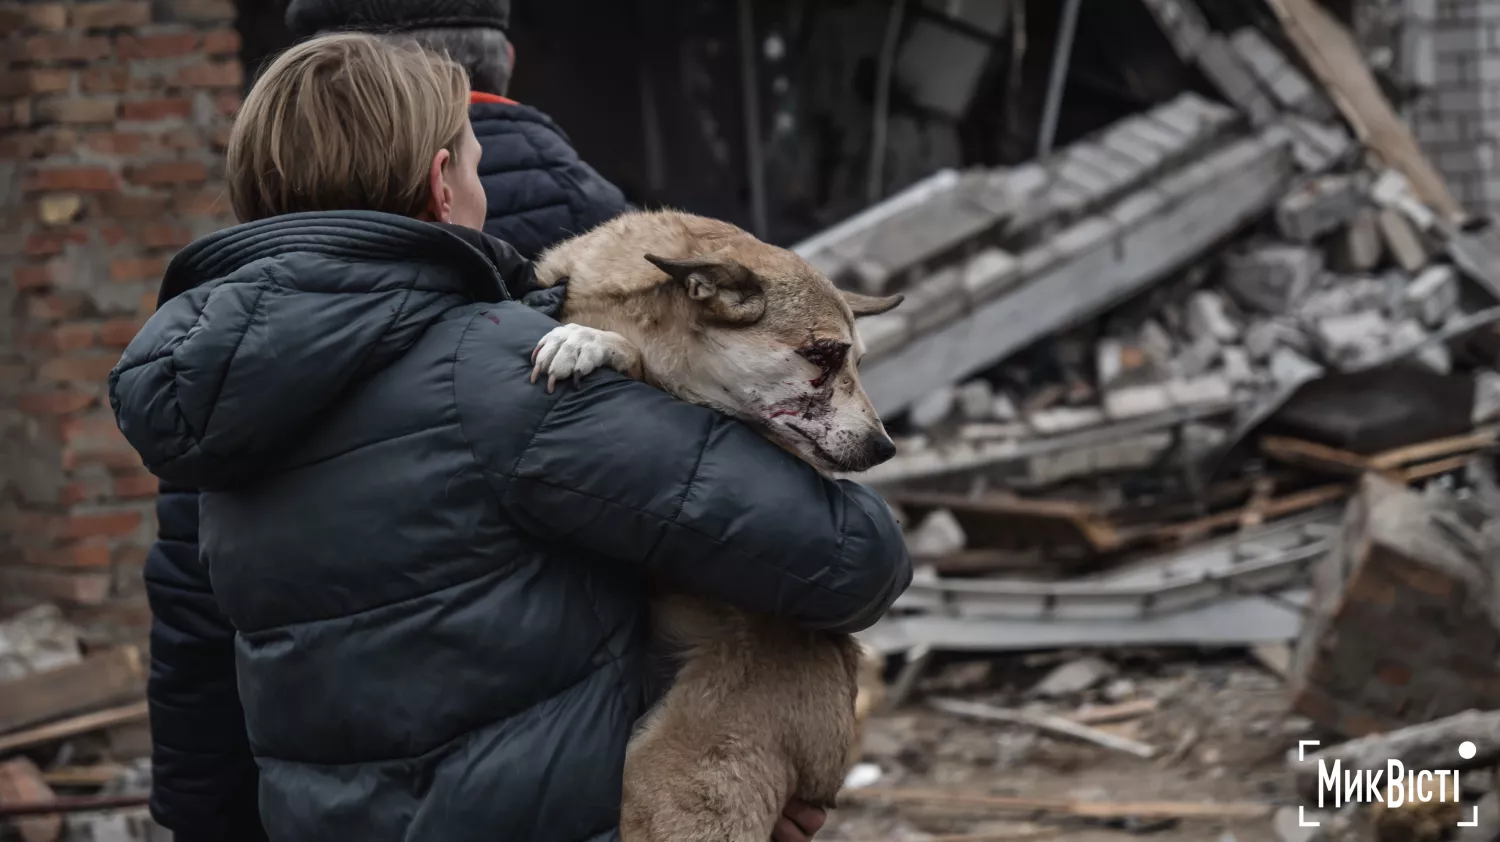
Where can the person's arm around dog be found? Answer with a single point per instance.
(679, 491)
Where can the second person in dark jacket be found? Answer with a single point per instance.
(435, 569)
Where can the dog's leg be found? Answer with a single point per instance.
(575, 350)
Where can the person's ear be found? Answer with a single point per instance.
(440, 205)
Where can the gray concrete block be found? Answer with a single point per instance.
(1068, 292)
(1135, 401)
(1434, 295)
(1317, 146)
(1354, 339)
(1263, 338)
(1317, 207)
(1065, 419)
(976, 400)
(1435, 356)
(1289, 367)
(1278, 76)
(1137, 206)
(1211, 388)
(1403, 241)
(1084, 235)
(1417, 65)
(1083, 177)
(936, 300)
(1214, 116)
(1182, 23)
(1156, 134)
(989, 273)
(1198, 357)
(1122, 170)
(1223, 66)
(1237, 366)
(1127, 145)
(1358, 246)
(883, 333)
(1272, 279)
(1208, 317)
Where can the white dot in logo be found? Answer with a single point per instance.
(1466, 750)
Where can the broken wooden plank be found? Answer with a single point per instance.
(1017, 520)
(72, 804)
(1431, 745)
(1313, 456)
(1186, 810)
(1272, 509)
(21, 783)
(1333, 55)
(83, 776)
(1101, 714)
(1044, 722)
(1423, 451)
(1018, 835)
(55, 731)
(107, 678)
(1333, 460)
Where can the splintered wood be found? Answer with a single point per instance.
(1045, 722)
(1335, 58)
(110, 677)
(1185, 810)
(72, 727)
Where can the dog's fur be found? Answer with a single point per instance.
(761, 711)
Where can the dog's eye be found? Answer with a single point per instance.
(827, 355)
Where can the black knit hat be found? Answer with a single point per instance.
(309, 17)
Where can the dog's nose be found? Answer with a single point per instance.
(878, 448)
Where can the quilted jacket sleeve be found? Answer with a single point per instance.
(629, 473)
(204, 778)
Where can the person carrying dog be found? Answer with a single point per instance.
(537, 193)
(435, 570)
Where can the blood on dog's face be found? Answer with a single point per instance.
(781, 350)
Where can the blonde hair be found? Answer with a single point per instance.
(345, 122)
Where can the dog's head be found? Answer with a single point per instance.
(777, 346)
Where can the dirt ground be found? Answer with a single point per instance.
(1221, 729)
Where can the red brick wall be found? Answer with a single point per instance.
(113, 119)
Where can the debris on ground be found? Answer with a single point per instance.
(1196, 457)
(74, 750)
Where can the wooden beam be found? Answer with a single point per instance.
(1333, 55)
(1045, 722)
(55, 731)
(1086, 809)
(106, 678)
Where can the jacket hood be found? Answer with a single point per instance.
(262, 327)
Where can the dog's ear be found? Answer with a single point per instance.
(869, 305)
(727, 289)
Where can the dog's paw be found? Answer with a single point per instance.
(575, 351)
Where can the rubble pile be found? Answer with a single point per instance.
(74, 745)
(1220, 375)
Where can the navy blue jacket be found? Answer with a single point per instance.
(204, 784)
(435, 569)
(538, 191)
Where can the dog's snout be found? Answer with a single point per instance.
(878, 448)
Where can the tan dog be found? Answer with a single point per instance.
(762, 711)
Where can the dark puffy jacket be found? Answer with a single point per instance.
(434, 568)
(539, 193)
(538, 190)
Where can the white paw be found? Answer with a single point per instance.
(571, 351)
